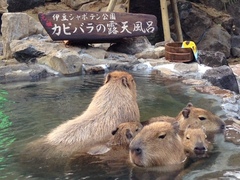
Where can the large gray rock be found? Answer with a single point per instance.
(17, 26)
(22, 72)
(22, 5)
(222, 77)
(235, 52)
(235, 43)
(65, 61)
(131, 45)
(216, 39)
(27, 55)
(212, 58)
(198, 26)
(194, 22)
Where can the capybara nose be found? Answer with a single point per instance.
(200, 150)
(223, 126)
(136, 151)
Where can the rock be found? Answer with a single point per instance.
(235, 41)
(64, 61)
(222, 77)
(232, 132)
(93, 6)
(131, 45)
(212, 58)
(198, 27)
(219, 5)
(98, 53)
(76, 4)
(208, 89)
(22, 72)
(194, 22)
(117, 56)
(22, 5)
(235, 44)
(26, 26)
(152, 53)
(97, 69)
(186, 68)
(27, 55)
(235, 51)
(216, 39)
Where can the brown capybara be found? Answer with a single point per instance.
(157, 144)
(193, 115)
(195, 142)
(114, 152)
(121, 138)
(124, 133)
(159, 119)
(115, 102)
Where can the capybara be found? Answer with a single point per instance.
(157, 144)
(195, 142)
(160, 119)
(115, 102)
(124, 133)
(193, 115)
(114, 153)
(121, 138)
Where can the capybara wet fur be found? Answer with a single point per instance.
(114, 152)
(201, 117)
(115, 102)
(193, 115)
(195, 142)
(157, 144)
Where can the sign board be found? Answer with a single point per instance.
(96, 26)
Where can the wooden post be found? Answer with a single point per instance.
(111, 5)
(177, 20)
(165, 21)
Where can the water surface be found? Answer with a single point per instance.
(30, 110)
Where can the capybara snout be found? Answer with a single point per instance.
(200, 149)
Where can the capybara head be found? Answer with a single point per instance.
(159, 119)
(193, 115)
(124, 133)
(195, 142)
(125, 78)
(157, 144)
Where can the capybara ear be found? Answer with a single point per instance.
(115, 131)
(128, 134)
(189, 105)
(125, 81)
(186, 112)
(176, 126)
(107, 78)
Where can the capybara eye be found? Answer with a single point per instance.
(137, 130)
(162, 136)
(138, 151)
(202, 118)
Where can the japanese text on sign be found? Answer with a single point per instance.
(88, 23)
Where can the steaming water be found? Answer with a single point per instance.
(30, 110)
